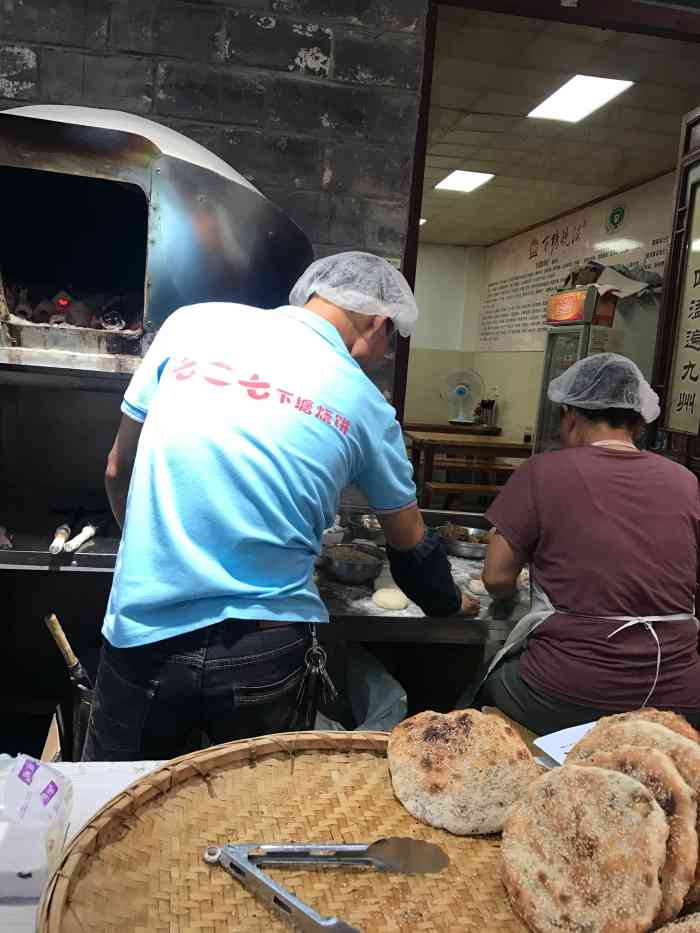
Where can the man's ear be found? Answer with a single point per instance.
(378, 323)
(571, 418)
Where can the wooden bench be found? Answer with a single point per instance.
(454, 489)
(478, 466)
(467, 452)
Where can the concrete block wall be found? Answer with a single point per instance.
(315, 101)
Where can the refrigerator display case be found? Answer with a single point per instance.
(580, 324)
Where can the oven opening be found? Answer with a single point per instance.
(73, 261)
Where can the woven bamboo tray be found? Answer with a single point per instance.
(137, 866)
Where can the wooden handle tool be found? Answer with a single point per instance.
(59, 636)
(76, 671)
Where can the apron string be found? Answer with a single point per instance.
(648, 625)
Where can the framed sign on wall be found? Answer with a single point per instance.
(682, 410)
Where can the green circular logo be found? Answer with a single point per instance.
(616, 218)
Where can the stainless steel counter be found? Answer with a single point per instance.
(31, 552)
(354, 616)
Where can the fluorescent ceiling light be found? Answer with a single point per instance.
(579, 97)
(422, 221)
(464, 181)
(622, 245)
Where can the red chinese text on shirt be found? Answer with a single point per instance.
(253, 386)
(222, 375)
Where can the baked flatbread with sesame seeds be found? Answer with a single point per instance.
(459, 771)
(662, 717)
(659, 775)
(687, 925)
(608, 736)
(583, 851)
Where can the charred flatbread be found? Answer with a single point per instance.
(583, 850)
(662, 717)
(659, 775)
(687, 925)
(459, 771)
(608, 736)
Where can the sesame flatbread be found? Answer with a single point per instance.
(583, 850)
(662, 717)
(609, 736)
(687, 925)
(459, 771)
(659, 775)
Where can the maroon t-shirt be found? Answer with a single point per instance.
(608, 533)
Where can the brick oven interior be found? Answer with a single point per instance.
(74, 259)
(73, 271)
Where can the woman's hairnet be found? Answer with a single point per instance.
(360, 282)
(606, 380)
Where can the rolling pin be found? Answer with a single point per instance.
(89, 531)
(60, 536)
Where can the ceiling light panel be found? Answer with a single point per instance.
(579, 97)
(463, 181)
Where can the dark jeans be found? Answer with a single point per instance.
(540, 712)
(232, 680)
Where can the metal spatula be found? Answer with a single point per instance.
(243, 861)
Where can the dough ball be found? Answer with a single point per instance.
(390, 598)
(477, 587)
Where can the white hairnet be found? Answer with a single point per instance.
(606, 380)
(360, 282)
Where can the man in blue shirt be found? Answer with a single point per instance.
(240, 429)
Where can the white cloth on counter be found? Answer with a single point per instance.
(613, 281)
(94, 784)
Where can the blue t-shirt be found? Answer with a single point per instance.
(254, 421)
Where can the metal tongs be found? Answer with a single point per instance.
(244, 860)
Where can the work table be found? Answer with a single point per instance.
(31, 552)
(354, 616)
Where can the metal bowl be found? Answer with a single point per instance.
(332, 537)
(359, 530)
(350, 571)
(463, 548)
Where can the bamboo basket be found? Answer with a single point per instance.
(138, 866)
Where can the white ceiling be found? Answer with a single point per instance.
(492, 69)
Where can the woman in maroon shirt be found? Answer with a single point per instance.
(611, 535)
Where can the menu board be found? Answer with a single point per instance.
(683, 406)
(521, 273)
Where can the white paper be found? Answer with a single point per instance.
(557, 745)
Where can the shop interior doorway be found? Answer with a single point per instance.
(544, 197)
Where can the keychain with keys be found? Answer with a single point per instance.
(316, 686)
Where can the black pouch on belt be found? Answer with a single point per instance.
(316, 687)
(425, 576)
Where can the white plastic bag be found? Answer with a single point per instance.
(35, 808)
